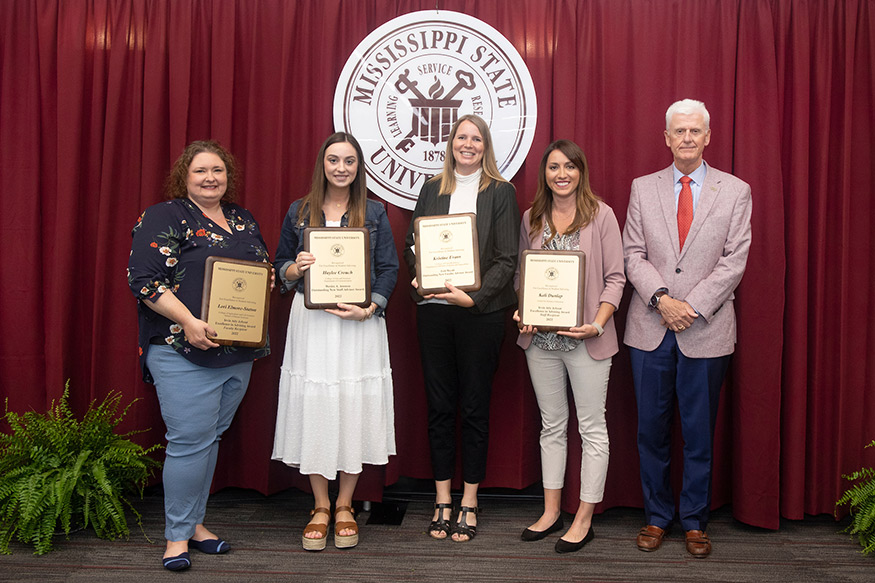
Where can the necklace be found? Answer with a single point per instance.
(340, 206)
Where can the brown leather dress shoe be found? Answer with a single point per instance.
(698, 544)
(650, 538)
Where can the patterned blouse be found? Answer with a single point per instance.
(551, 340)
(171, 243)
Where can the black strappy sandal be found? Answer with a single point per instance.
(441, 524)
(462, 527)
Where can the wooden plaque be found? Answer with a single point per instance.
(236, 300)
(446, 250)
(342, 271)
(551, 289)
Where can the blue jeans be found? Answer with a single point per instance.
(197, 405)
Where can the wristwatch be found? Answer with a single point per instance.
(654, 299)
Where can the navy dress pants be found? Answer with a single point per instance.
(662, 376)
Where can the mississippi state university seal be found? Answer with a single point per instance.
(407, 83)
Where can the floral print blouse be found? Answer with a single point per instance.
(171, 243)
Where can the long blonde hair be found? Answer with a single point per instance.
(488, 164)
(358, 190)
(542, 206)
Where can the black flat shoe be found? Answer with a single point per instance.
(180, 562)
(210, 546)
(529, 535)
(563, 546)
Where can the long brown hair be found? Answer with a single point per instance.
(174, 186)
(488, 164)
(542, 206)
(358, 191)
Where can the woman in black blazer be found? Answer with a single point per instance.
(460, 333)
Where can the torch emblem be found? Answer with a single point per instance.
(433, 116)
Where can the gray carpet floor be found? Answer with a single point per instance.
(265, 533)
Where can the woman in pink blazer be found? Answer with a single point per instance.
(567, 215)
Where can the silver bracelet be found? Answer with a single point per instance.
(598, 328)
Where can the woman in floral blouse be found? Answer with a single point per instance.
(199, 383)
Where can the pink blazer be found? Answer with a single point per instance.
(604, 279)
(705, 273)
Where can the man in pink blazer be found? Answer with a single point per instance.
(685, 243)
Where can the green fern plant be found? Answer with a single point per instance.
(861, 497)
(58, 473)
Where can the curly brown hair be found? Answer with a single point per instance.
(174, 186)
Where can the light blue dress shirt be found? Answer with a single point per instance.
(697, 176)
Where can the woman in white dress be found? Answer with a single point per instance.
(335, 408)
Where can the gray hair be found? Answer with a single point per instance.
(687, 107)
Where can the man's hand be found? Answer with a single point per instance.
(677, 315)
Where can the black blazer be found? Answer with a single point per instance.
(498, 233)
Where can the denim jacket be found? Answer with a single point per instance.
(384, 258)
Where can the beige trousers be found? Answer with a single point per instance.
(589, 385)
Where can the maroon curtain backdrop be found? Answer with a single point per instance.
(98, 97)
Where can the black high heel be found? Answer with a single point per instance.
(462, 527)
(441, 524)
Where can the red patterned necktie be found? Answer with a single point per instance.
(685, 209)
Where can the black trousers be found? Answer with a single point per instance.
(459, 350)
